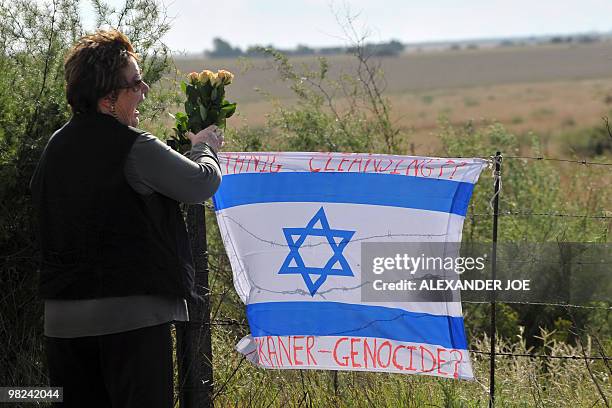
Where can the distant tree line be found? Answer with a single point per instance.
(558, 39)
(223, 49)
(574, 39)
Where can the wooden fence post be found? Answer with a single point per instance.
(194, 346)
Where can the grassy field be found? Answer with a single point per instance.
(545, 89)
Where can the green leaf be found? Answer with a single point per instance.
(184, 87)
(203, 112)
(228, 109)
(213, 94)
(181, 123)
(191, 108)
(220, 94)
(212, 116)
(192, 93)
(204, 92)
(195, 123)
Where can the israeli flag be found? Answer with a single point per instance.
(293, 225)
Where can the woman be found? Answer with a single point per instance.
(116, 263)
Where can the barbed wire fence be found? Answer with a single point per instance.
(497, 159)
(207, 323)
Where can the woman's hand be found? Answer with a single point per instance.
(212, 136)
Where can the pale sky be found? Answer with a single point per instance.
(287, 23)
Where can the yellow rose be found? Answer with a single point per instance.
(226, 77)
(215, 80)
(193, 77)
(205, 76)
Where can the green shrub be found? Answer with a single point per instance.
(348, 113)
(590, 142)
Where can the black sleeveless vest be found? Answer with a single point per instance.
(98, 237)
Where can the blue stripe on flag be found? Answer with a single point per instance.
(356, 188)
(344, 319)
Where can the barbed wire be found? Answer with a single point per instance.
(534, 261)
(541, 158)
(507, 213)
(233, 322)
(325, 242)
(541, 214)
(487, 353)
(538, 304)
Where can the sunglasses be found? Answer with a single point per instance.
(136, 86)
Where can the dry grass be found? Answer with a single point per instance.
(521, 382)
(544, 89)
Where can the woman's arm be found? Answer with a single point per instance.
(152, 166)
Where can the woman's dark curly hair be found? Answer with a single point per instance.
(94, 68)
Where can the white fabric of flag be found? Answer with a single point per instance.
(293, 224)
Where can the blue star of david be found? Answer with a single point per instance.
(330, 268)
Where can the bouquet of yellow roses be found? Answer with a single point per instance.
(205, 105)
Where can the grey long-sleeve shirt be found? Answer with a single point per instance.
(151, 166)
